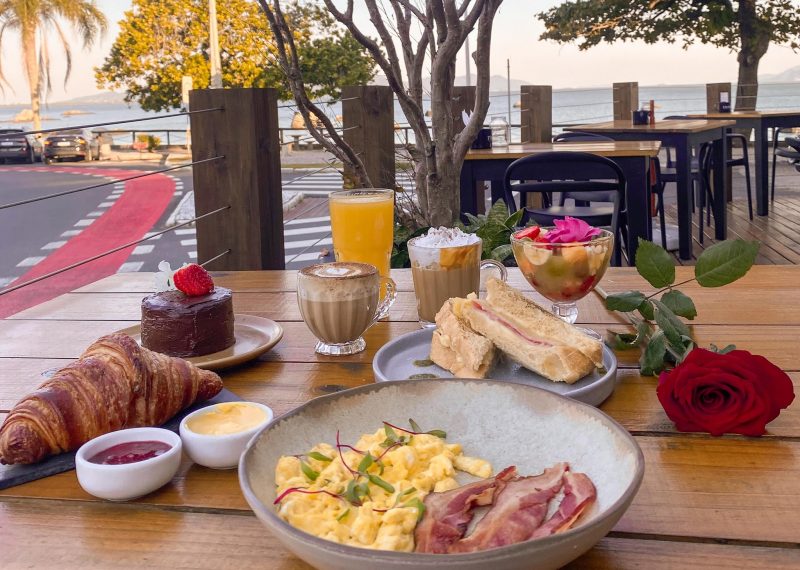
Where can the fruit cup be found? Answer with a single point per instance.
(564, 272)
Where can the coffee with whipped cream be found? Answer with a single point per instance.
(445, 263)
(339, 301)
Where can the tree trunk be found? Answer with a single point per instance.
(754, 36)
(28, 37)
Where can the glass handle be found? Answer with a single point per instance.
(388, 300)
(494, 264)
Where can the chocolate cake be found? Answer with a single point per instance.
(178, 325)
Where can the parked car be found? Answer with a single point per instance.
(72, 143)
(16, 144)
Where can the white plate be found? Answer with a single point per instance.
(396, 361)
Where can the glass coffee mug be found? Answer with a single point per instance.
(339, 301)
(441, 273)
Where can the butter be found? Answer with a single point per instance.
(227, 418)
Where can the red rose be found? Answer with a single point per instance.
(737, 392)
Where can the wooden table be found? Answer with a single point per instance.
(761, 122)
(683, 136)
(705, 502)
(632, 157)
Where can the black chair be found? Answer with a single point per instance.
(792, 152)
(656, 186)
(571, 172)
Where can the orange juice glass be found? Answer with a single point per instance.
(362, 223)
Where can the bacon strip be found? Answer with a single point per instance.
(518, 510)
(498, 319)
(448, 514)
(579, 494)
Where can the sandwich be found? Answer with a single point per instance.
(459, 349)
(530, 334)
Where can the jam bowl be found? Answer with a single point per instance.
(216, 436)
(128, 463)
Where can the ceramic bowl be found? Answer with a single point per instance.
(131, 480)
(508, 424)
(219, 451)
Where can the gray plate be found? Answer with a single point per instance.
(395, 361)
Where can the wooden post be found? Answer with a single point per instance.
(248, 179)
(368, 123)
(713, 91)
(536, 113)
(463, 100)
(626, 100)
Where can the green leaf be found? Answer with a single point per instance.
(375, 480)
(622, 341)
(655, 264)
(362, 490)
(438, 433)
(514, 219)
(652, 360)
(725, 262)
(366, 463)
(498, 213)
(351, 493)
(624, 302)
(672, 326)
(319, 457)
(647, 310)
(414, 425)
(308, 471)
(391, 435)
(724, 350)
(679, 304)
(501, 252)
(419, 505)
(344, 514)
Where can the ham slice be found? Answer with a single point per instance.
(518, 510)
(579, 493)
(448, 514)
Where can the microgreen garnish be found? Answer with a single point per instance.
(366, 463)
(308, 471)
(419, 505)
(375, 480)
(404, 494)
(416, 430)
(344, 514)
(320, 457)
(341, 457)
(304, 492)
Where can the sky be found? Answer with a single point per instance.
(514, 38)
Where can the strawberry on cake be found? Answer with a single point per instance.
(194, 320)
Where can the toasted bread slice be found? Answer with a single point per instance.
(458, 348)
(513, 306)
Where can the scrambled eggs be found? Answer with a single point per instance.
(390, 491)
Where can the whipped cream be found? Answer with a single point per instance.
(446, 237)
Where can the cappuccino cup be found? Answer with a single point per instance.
(446, 263)
(340, 301)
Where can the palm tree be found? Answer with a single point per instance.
(35, 21)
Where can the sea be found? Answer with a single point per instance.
(570, 106)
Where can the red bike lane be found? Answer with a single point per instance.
(134, 214)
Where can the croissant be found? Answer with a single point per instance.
(115, 384)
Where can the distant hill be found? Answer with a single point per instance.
(787, 76)
(104, 98)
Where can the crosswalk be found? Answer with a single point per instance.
(323, 183)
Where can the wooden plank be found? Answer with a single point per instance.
(676, 126)
(248, 179)
(713, 93)
(368, 127)
(626, 100)
(694, 487)
(122, 537)
(536, 112)
(615, 553)
(617, 148)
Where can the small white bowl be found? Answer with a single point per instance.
(219, 451)
(130, 480)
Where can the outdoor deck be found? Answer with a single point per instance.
(779, 233)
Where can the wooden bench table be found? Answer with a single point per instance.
(705, 502)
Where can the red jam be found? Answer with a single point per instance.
(130, 452)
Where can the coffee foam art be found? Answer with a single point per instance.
(340, 281)
(341, 270)
(446, 237)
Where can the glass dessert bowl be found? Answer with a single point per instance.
(563, 272)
